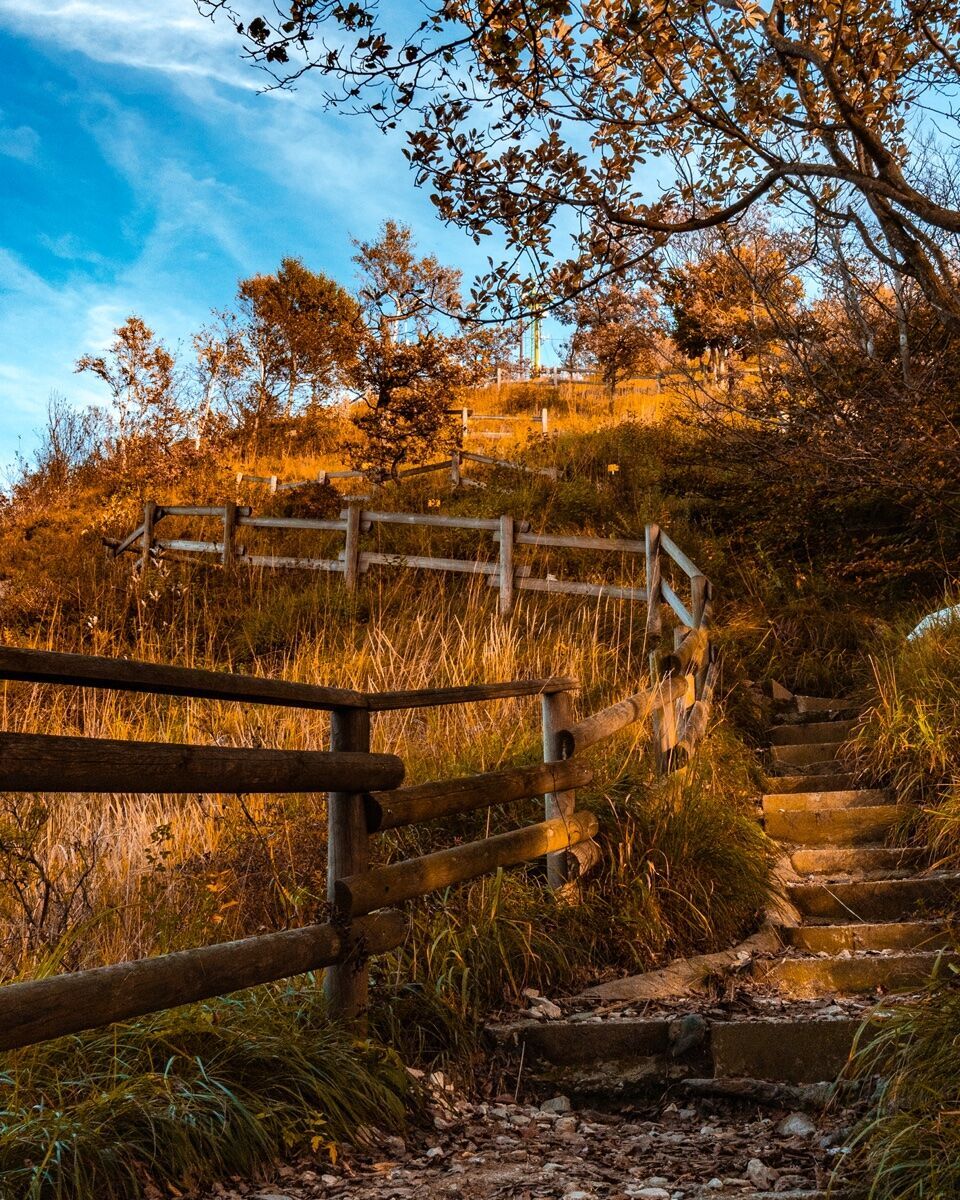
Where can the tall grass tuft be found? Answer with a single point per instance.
(909, 737)
(184, 1098)
(908, 1145)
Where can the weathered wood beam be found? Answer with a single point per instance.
(414, 877)
(472, 693)
(125, 675)
(569, 587)
(37, 762)
(618, 716)
(446, 797)
(40, 1009)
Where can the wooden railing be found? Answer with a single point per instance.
(454, 465)
(468, 417)
(509, 536)
(365, 800)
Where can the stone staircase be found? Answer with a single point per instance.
(769, 1023)
(865, 910)
(860, 921)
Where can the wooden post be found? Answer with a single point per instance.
(351, 550)
(557, 710)
(273, 485)
(700, 592)
(699, 588)
(652, 537)
(455, 468)
(346, 984)
(229, 533)
(149, 521)
(545, 419)
(656, 718)
(506, 565)
(465, 418)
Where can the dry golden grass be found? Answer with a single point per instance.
(168, 869)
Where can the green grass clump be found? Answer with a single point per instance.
(186, 1097)
(908, 1145)
(909, 738)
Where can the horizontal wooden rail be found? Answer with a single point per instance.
(289, 563)
(467, 456)
(576, 542)
(504, 572)
(128, 675)
(618, 716)
(570, 587)
(360, 894)
(470, 694)
(427, 519)
(291, 523)
(39, 1009)
(119, 674)
(448, 797)
(40, 762)
(196, 510)
(426, 469)
(468, 566)
(189, 547)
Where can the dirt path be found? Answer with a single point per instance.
(507, 1151)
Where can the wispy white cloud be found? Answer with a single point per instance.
(18, 141)
(164, 35)
(69, 248)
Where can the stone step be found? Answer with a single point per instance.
(816, 731)
(822, 704)
(805, 978)
(876, 899)
(577, 1043)
(834, 826)
(834, 780)
(885, 935)
(848, 860)
(817, 801)
(805, 754)
(785, 1050)
(603, 1054)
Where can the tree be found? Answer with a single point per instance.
(416, 353)
(300, 331)
(617, 330)
(221, 363)
(517, 112)
(732, 296)
(139, 371)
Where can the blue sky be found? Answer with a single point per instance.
(141, 171)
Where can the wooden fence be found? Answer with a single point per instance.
(454, 465)
(365, 799)
(509, 537)
(468, 418)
